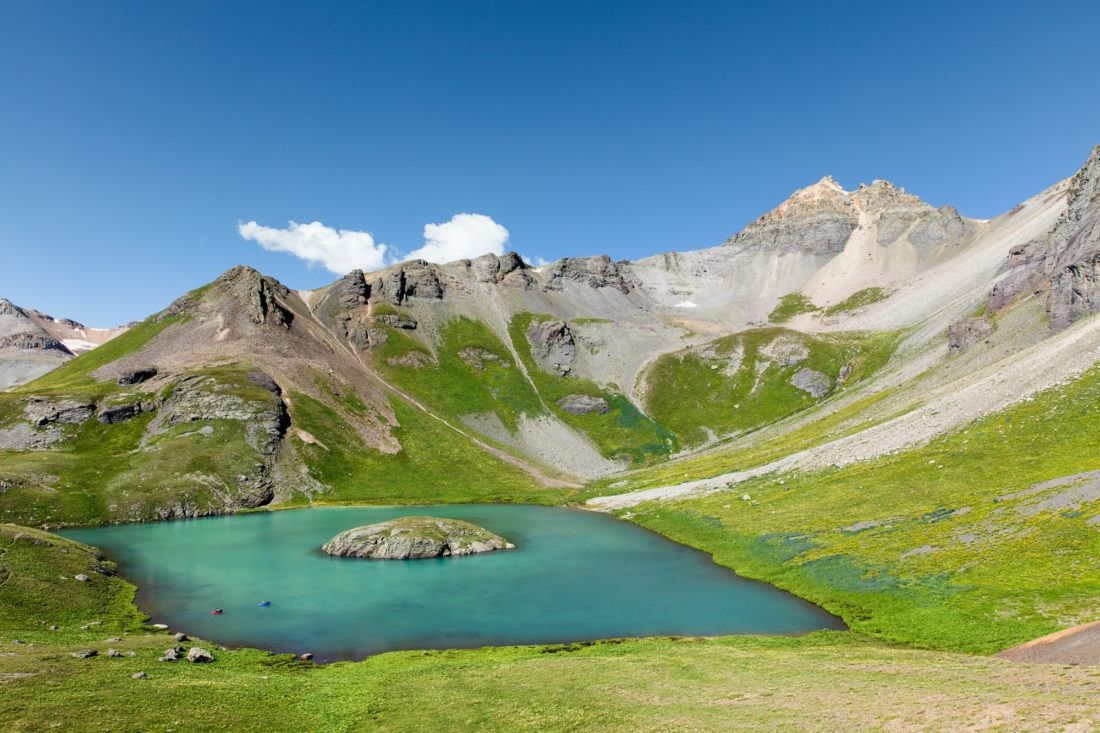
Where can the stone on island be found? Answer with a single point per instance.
(413, 538)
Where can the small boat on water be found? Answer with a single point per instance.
(216, 612)
(265, 604)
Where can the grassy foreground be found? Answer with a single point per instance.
(825, 681)
(960, 544)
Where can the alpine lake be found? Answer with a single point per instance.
(574, 576)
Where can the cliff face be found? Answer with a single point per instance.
(1063, 265)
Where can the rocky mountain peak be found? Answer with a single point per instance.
(817, 219)
(258, 294)
(824, 196)
(881, 195)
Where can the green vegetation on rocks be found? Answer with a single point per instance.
(471, 371)
(740, 382)
(434, 465)
(791, 305)
(858, 299)
(414, 538)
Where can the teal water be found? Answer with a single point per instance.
(574, 576)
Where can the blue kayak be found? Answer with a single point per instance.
(265, 603)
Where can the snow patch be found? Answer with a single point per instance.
(75, 345)
(686, 304)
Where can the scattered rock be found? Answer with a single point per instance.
(582, 404)
(172, 655)
(82, 578)
(414, 359)
(137, 376)
(410, 538)
(112, 652)
(395, 321)
(138, 676)
(85, 653)
(305, 657)
(967, 332)
(198, 655)
(814, 382)
(162, 627)
(180, 636)
(478, 358)
(114, 640)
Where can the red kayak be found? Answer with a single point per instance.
(216, 612)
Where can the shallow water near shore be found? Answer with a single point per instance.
(574, 576)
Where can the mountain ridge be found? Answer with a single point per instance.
(560, 374)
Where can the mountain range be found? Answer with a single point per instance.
(497, 377)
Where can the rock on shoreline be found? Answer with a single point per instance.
(413, 538)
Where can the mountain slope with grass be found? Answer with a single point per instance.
(245, 393)
(879, 405)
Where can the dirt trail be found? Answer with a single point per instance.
(1076, 645)
(1060, 357)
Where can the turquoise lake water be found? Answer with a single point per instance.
(574, 576)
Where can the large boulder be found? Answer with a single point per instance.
(137, 376)
(414, 538)
(967, 332)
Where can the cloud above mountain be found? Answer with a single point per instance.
(465, 235)
(344, 250)
(340, 251)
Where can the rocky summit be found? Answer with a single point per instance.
(415, 538)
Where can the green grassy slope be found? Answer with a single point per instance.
(623, 432)
(826, 681)
(734, 384)
(116, 472)
(933, 546)
(435, 464)
(486, 381)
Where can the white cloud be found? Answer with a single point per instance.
(340, 251)
(464, 236)
(344, 250)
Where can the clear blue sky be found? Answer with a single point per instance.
(134, 136)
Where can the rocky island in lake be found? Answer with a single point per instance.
(414, 538)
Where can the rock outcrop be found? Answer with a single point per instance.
(413, 538)
(814, 382)
(582, 404)
(491, 268)
(967, 332)
(595, 272)
(553, 346)
(412, 279)
(137, 376)
(1064, 264)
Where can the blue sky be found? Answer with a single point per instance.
(136, 136)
